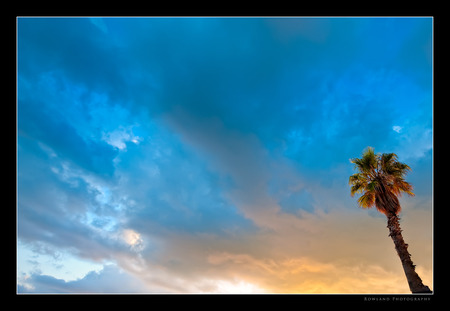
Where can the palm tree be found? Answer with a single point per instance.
(380, 180)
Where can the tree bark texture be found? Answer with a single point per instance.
(414, 281)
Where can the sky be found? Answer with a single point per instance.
(211, 155)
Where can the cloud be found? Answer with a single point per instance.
(110, 279)
(119, 137)
(314, 253)
(414, 142)
(397, 128)
(73, 46)
(168, 183)
(55, 118)
(304, 275)
(60, 206)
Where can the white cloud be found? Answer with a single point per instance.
(61, 264)
(119, 137)
(397, 128)
(111, 279)
(133, 239)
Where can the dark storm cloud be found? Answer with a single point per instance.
(72, 45)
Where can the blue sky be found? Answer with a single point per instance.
(212, 154)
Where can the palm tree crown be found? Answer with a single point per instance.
(380, 179)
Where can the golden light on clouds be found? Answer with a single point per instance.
(333, 254)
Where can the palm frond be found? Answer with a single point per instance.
(401, 167)
(400, 185)
(370, 158)
(357, 178)
(380, 180)
(367, 200)
(356, 188)
(367, 163)
(373, 185)
(358, 183)
(388, 157)
(389, 165)
(359, 165)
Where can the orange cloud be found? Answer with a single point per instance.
(341, 251)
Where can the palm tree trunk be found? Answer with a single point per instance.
(414, 281)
